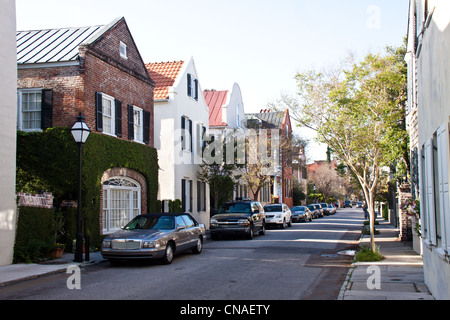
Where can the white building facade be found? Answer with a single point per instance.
(181, 122)
(8, 120)
(429, 96)
(227, 116)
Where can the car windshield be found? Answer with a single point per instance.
(272, 208)
(298, 209)
(311, 207)
(235, 208)
(151, 222)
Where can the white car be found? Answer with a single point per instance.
(278, 214)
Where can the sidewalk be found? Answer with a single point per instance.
(19, 272)
(401, 271)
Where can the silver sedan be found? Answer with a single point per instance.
(155, 236)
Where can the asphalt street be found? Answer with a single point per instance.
(297, 263)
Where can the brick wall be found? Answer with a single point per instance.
(101, 69)
(102, 77)
(67, 86)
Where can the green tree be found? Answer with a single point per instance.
(358, 110)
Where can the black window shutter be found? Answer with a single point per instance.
(204, 137)
(183, 127)
(196, 89)
(190, 132)
(118, 120)
(130, 122)
(191, 204)
(183, 195)
(199, 204)
(204, 196)
(47, 109)
(98, 111)
(146, 127)
(189, 85)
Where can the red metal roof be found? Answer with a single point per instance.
(215, 101)
(164, 75)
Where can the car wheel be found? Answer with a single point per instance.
(250, 233)
(168, 255)
(263, 230)
(290, 222)
(283, 225)
(198, 247)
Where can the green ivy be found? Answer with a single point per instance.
(49, 161)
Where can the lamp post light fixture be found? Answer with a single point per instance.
(80, 132)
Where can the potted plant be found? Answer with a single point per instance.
(57, 251)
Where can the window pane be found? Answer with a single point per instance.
(107, 116)
(31, 110)
(121, 203)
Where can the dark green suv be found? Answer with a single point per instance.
(244, 217)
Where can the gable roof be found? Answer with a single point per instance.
(164, 75)
(52, 45)
(215, 100)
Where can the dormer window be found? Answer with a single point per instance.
(123, 50)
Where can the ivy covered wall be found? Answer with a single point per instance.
(48, 161)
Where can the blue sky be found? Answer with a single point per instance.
(260, 44)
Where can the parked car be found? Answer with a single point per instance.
(314, 211)
(347, 204)
(359, 204)
(244, 217)
(278, 214)
(331, 208)
(159, 236)
(326, 212)
(319, 207)
(301, 213)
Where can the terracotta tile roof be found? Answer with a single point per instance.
(164, 75)
(215, 101)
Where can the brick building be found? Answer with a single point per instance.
(99, 72)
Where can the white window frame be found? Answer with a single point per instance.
(430, 238)
(138, 127)
(113, 115)
(123, 49)
(20, 111)
(443, 190)
(188, 195)
(186, 135)
(193, 86)
(134, 206)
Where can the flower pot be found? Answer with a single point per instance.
(57, 253)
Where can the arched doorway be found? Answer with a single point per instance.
(121, 202)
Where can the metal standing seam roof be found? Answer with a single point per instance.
(274, 119)
(215, 101)
(51, 45)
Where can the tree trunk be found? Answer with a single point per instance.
(371, 208)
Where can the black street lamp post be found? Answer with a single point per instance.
(80, 132)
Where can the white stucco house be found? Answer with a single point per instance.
(8, 120)
(227, 116)
(181, 120)
(428, 62)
